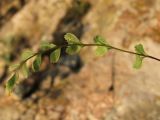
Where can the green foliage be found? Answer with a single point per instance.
(139, 58)
(37, 63)
(25, 70)
(74, 44)
(73, 47)
(103, 46)
(71, 38)
(14, 67)
(55, 55)
(11, 82)
(26, 55)
(139, 49)
(46, 45)
(138, 62)
(100, 40)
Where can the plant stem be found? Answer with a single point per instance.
(85, 45)
(122, 50)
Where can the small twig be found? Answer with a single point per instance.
(86, 45)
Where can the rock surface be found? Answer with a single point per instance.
(85, 95)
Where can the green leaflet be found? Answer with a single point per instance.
(11, 83)
(37, 63)
(138, 62)
(101, 50)
(26, 54)
(139, 49)
(25, 70)
(46, 45)
(75, 44)
(71, 38)
(73, 49)
(55, 55)
(139, 59)
(99, 40)
(13, 67)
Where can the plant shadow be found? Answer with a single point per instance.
(68, 64)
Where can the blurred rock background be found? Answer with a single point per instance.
(80, 87)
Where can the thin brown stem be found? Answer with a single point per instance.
(122, 50)
(85, 45)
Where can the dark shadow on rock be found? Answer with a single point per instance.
(72, 22)
(27, 87)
